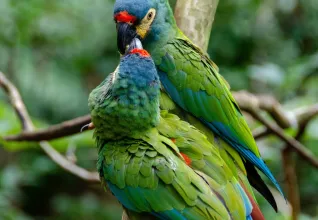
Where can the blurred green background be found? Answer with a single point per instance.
(57, 51)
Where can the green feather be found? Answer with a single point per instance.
(152, 160)
(163, 174)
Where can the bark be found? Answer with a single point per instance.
(195, 19)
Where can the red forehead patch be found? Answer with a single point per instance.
(141, 52)
(125, 17)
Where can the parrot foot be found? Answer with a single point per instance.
(89, 126)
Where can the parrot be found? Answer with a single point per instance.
(157, 165)
(192, 86)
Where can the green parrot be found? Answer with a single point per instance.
(192, 81)
(154, 163)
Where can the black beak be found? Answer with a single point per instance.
(125, 34)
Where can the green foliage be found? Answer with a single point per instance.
(56, 51)
(88, 206)
(9, 124)
(35, 184)
(53, 48)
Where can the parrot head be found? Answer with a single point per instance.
(142, 19)
(127, 102)
(138, 64)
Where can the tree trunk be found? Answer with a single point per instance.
(195, 19)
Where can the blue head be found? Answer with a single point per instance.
(149, 20)
(127, 102)
(137, 90)
(138, 67)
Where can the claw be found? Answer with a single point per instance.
(89, 126)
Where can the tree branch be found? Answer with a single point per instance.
(27, 125)
(261, 132)
(294, 144)
(16, 102)
(300, 116)
(249, 101)
(64, 129)
(289, 164)
(291, 181)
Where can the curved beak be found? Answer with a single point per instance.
(125, 34)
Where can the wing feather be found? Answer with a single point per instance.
(206, 95)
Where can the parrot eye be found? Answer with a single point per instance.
(143, 26)
(149, 16)
(148, 19)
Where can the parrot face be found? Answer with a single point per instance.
(139, 18)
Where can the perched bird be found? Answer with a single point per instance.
(157, 165)
(192, 81)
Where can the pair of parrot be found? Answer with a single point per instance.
(172, 141)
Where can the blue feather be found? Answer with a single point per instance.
(170, 214)
(172, 91)
(248, 205)
(122, 197)
(249, 217)
(243, 151)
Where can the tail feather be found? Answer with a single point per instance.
(256, 181)
(259, 163)
(244, 152)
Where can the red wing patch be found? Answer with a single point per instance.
(186, 159)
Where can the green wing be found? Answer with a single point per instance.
(192, 81)
(211, 159)
(144, 180)
(200, 90)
